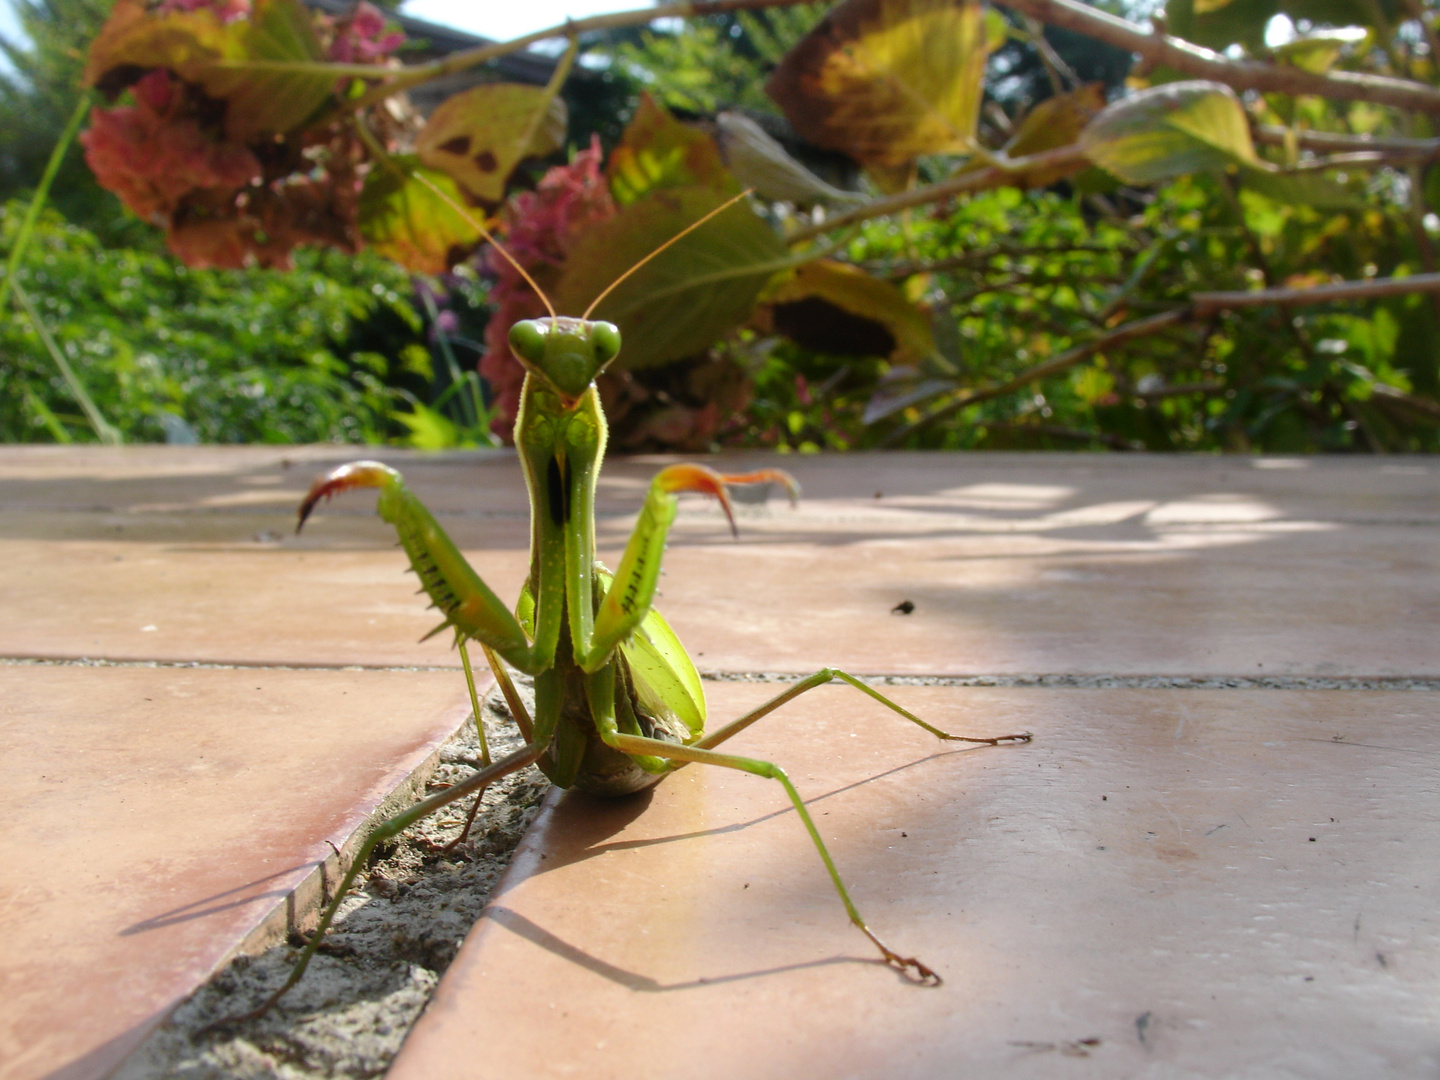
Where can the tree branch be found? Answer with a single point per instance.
(1172, 52)
(405, 78)
(1063, 160)
(1208, 303)
(1069, 358)
(1202, 305)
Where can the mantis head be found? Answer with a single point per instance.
(567, 353)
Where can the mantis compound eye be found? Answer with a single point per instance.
(528, 340)
(605, 341)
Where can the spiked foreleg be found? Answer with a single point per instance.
(633, 589)
(468, 604)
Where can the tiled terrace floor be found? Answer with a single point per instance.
(1143, 874)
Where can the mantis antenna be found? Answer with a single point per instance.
(682, 233)
(475, 223)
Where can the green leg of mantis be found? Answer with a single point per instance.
(825, 675)
(386, 830)
(600, 689)
(517, 711)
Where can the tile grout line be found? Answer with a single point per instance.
(1046, 680)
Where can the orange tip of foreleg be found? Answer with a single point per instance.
(767, 476)
(677, 478)
(355, 474)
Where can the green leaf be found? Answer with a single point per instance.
(888, 80)
(1301, 189)
(1317, 52)
(479, 136)
(404, 220)
(1170, 130)
(688, 296)
(657, 151)
(1218, 24)
(261, 102)
(759, 162)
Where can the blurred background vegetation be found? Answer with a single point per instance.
(352, 348)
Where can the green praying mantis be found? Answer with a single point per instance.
(618, 703)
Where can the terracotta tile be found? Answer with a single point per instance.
(1016, 564)
(1166, 883)
(156, 817)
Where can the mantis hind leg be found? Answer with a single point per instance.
(702, 753)
(386, 830)
(910, 966)
(825, 675)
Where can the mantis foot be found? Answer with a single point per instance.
(1022, 737)
(909, 966)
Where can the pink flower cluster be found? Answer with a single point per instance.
(362, 38)
(228, 10)
(152, 156)
(540, 228)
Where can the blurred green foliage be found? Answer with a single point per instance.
(309, 355)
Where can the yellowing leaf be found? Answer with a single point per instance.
(683, 300)
(1169, 130)
(405, 220)
(1055, 122)
(198, 48)
(186, 42)
(657, 151)
(887, 80)
(835, 308)
(479, 136)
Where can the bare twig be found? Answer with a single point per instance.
(1172, 52)
(405, 78)
(1422, 150)
(1069, 358)
(1425, 408)
(1070, 158)
(1207, 303)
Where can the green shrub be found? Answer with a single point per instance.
(308, 355)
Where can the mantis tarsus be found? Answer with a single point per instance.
(618, 703)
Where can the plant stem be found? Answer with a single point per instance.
(27, 226)
(104, 430)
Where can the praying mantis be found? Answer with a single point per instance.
(618, 703)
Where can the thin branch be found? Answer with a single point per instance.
(1172, 52)
(1064, 160)
(405, 78)
(1069, 358)
(105, 431)
(1208, 303)
(1202, 305)
(1334, 143)
(1425, 408)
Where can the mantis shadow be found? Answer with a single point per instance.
(216, 903)
(589, 820)
(537, 935)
